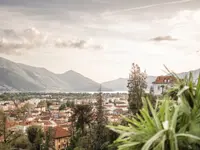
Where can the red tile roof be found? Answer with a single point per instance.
(164, 80)
(122, 106)
(60, 132)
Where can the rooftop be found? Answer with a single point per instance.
(164, 80)
(60, 132)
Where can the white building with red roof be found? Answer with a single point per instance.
(162, 83)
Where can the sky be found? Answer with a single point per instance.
(102, 38)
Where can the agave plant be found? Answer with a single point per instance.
(173, 124)
(153, 128)
(188, 96)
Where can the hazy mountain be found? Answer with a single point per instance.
(121, 83)
(195, 74)
(26, 78)
(20, 77)
(117, 85)
(80, 83)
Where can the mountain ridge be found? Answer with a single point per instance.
(40, 79)
(21, 77)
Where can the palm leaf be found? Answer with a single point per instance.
(128, 145)
(188, 136)
(148, 144)
(155, 117)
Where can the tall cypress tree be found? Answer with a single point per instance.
(101, 122)
(136, 88)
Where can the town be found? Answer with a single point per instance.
(99, 75)
(54, 110)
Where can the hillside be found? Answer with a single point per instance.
(80, 83)
(117, 85)
(20, 77)
(121, 83)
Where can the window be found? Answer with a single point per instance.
(158, 87)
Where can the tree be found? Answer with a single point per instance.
(49, 139)
(21, 113)
(70, 104)
(48, 105)
(82, 117)
(101, 121)
(42, 104)
(8, 135)
(21, 143)
(136, 88)
(81, 124)
(35, 137)
(62, 107)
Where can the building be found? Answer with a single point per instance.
(161, 84)
(61, 138)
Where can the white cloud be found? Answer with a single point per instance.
(17, 42)
(11, 41)
(124, 38)
(77, 43)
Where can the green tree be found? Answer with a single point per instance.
(49, 103)
(136, 88)
(82, 117)
(42, 104)
(101, 121)
(62, 107)
(21, 143)
(49, 143)
(8, 135)
(70, 104)
(35, 137)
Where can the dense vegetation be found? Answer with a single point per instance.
(53, 96)
(172, 124)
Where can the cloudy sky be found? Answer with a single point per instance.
(101, 38)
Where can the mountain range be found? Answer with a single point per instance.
(20, 77)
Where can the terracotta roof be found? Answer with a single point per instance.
(60, 132)
(164, 80)
(10, 124)
(122, 106)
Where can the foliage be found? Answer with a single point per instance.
(96, 136)
(136, 86)
(170, 125)
(49, 139)
(100, 123)
(5, 146)
(62, 107)
(35, 137)
(70, 104)
(21, 143)
(8, 135)
(82, 117)
(42, 103)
